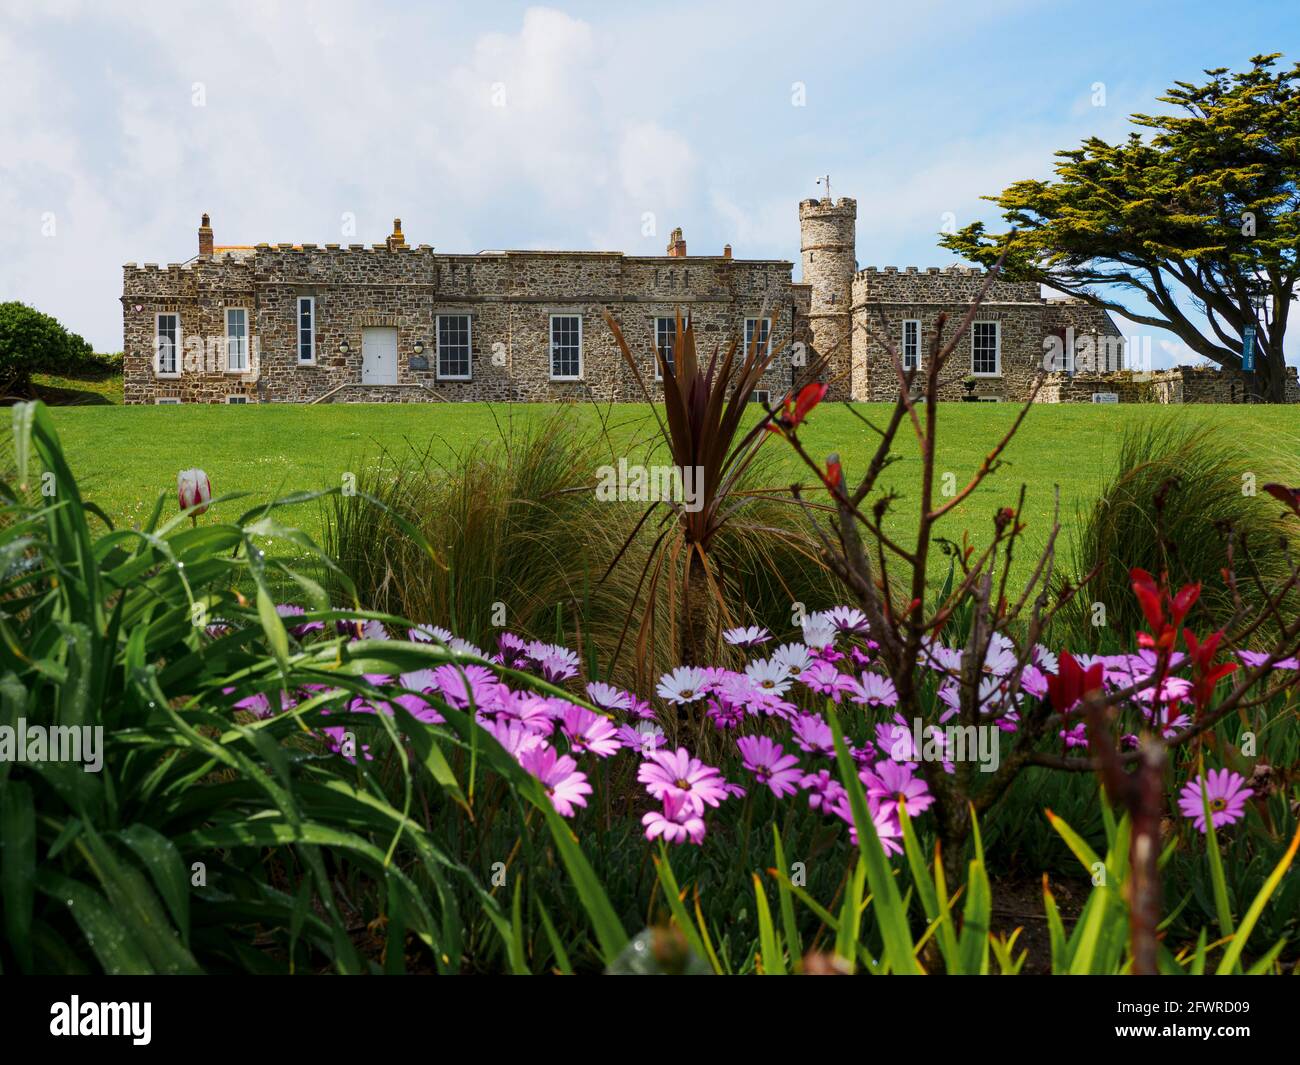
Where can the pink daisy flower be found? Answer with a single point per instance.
(770, 764)
(813, 735)
(428, 634)
(607, 697)
(1227, 794)
(515, 737)
(825, 679)
(1254, 659)
(290, 610)
(749, 636)
(887, 828)
(587, 730)
(824, 791)
(889, 782)
(559, 664)
(512, 650)
(527, 708)
(677, 822)
(678, 774)
(461, 684)
(643, 737)
(565, 786)
(873, 689)
(848, 619)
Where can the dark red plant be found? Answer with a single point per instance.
(1156, 600)
(1205, 674)
(1290, 497)
(1072, 682)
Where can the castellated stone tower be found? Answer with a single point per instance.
(826, 244)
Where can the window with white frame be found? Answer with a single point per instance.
(566, 347)
(236, 339)
(236, 399)
(759, 327)
(306, 328)
(454, 344)
(761, 395)
(910, 351)
(167, 401)
(167, 343)
(665, 336)
(985, 349)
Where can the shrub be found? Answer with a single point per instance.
(32, 342)
(1175, 504)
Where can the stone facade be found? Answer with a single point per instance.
(509, 298)
(1023, 332)
(374, 313)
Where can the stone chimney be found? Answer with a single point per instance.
(205, 237)
(676, 245)
(395, 239)
(726, 251)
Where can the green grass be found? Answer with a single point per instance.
(127, 455)
(87, 389)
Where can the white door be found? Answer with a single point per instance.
(379, 356)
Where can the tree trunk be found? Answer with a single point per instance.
(953, 835)
(1271, 375)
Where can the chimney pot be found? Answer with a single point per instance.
(676, 245)
(205, 235)
(726, 251)
(396, 240)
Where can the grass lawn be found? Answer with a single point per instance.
(125, 456)
(84, 389)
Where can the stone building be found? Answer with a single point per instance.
(295, 323)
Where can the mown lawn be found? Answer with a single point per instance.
(78, 389)
(125, 456)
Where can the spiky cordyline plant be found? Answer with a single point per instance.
(704, 405)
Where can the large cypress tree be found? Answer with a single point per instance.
(1198, 207)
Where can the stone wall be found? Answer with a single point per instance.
(1211, 384)
(1181, 384)
(509, 297)
(884, 299)
(1155, 387)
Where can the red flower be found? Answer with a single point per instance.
(1155, 600)
(792, 417)
(1205, 675)
(1072, 682)
(834, 474)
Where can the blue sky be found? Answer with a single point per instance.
(525, 126)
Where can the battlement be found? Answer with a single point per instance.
(950, 285)
(827, 206)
